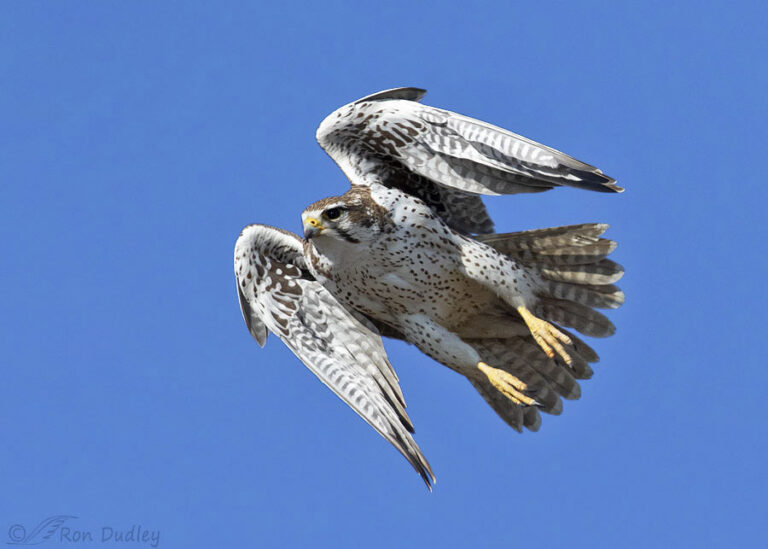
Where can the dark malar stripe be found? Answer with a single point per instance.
(346, 236)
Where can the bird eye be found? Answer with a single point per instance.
(332, 214)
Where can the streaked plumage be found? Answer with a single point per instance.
(444, 158)
(277, 294)
(395, 256)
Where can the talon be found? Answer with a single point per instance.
(549, 338)
(507, 384)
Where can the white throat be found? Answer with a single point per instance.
(340, 253)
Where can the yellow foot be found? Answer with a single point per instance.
(507, 384)
(547, 336)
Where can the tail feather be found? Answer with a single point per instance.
(548, 380)
(574, 315)
(511, 414)
(574, 274)
(531, 419)
(575, 255)
(582, 349)
(580, 367)
(573, 277)
(601, 272)
(555, 374)
(545, 239)
(544, 392)
(602, 297)
(513, 355)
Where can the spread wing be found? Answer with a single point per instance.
(277, 294)
(445, 158)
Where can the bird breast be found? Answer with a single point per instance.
(388, 280)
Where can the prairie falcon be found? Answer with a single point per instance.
(409, 253)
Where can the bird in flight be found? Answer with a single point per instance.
(410, 253)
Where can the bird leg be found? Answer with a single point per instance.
(458, 355)
(546, 335)
(474, 256)
(507, 384)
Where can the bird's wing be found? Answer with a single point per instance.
(444, 157)
(278, 294)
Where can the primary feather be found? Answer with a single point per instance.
(390, 138)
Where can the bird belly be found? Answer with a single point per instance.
(387, 293)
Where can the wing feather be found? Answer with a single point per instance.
(276, 293)
(391, 139)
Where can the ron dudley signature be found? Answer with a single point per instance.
(58, 528)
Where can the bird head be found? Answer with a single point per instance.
(350, 218)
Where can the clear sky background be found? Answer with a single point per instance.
(138, 138)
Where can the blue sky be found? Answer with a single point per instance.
(138, 138)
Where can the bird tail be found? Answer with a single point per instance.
(548, 380)
(575, 277)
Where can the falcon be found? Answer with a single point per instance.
(409, 253)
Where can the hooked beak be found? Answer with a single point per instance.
(312, 227)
